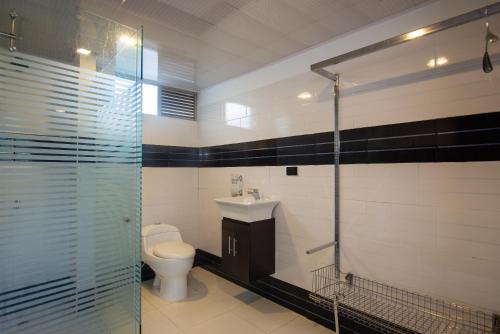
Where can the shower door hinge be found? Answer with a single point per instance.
(496, 323)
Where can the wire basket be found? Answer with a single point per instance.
(388, 309)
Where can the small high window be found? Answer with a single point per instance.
(170, 102)
(177, 103)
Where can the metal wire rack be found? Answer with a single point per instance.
(388, 309)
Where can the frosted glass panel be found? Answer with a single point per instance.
(70, 196)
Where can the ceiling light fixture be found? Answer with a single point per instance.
(83, 51)
(130, 41)
(416, 33)
(304, 95)
(437, 62)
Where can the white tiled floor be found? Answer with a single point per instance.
(215, 305)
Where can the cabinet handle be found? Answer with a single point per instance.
(234, 246)
(229, 243)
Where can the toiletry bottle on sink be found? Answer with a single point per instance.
(236, 185)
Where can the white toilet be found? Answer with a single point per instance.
(171, 259)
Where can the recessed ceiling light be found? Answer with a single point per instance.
(437, 62)
(60, 110)
(441, 61)
(83, 51)
(304, 95)
(127, 40)
(416, 33)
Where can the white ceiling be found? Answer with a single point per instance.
(203, 42)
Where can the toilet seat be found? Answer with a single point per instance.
(173, 250)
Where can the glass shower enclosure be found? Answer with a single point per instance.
(70, 171)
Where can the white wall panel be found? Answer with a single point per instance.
(170, 195)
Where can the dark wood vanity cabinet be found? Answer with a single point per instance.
(248, 249)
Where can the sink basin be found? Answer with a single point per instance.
(246, 208)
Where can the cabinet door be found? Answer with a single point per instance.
(241, 250)
(236, 249)
(228, 259)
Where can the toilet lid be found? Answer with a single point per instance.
(173, 250)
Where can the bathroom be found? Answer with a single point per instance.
(249, 166)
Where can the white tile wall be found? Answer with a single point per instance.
(169, 195)
(159, 130)
(430, 227)
(275, 111)
(391, 228)
(459, 94)
(303, 217)
(271, 111)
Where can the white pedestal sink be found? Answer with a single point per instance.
(246, 208)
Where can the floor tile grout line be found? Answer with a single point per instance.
(286, 323)
(225, 313)
(162, 313)
(210, 319)
(202, 322)
(248, 322)
(146, 291)
(230, 310)
(298, 316)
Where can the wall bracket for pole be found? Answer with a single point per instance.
(12, 34)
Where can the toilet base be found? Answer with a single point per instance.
(156, 282)
(172, 288)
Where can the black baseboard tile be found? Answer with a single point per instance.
(203, 257)
(288, 295)
(280, 292)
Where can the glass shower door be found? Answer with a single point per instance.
(70, 171)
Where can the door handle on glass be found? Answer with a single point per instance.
(234, 246)
(229, 244)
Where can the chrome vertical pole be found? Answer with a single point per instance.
(12, 34)
(337, 172)
(13, 17)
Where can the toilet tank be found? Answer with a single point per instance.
(153, 234)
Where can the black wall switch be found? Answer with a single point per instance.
(294, 171)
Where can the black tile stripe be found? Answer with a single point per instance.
(169, 156)
(462, 138)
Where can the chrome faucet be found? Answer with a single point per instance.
(254, 192)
